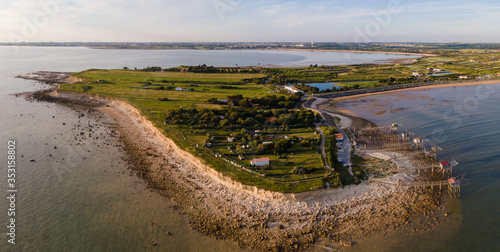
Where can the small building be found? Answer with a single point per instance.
(404, 135)
(454, 182)
(415, 74)
(417, 140)
(230, 139)
(209, 145)
(269, 119)
(444, 165)
(339, 137)
(463, 77)
(180, 89)
(268, 142)
(293, 89)
(259, 162)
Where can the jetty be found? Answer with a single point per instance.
(423, 161)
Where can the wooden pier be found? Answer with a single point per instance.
(388, 139)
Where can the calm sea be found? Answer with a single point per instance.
(76, 194)
(465, 123)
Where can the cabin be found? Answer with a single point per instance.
(415, 74)
(404, 135)
(463, 77)
(417, 140)
(231, 139)
(339, 137)
(454, 182)
(259, 162)
(444, 165)
(180, 89)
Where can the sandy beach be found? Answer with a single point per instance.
(258, 219)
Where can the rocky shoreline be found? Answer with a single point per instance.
(255, 218)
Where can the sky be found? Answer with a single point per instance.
(249, 21)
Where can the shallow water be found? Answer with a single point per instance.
(465, 122)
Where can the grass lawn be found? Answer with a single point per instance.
(145, 89)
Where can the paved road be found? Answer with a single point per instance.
(344, 153)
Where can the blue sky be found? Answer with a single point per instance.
(243, 20)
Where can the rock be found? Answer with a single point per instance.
(347, 243)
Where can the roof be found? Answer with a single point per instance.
(444, 163)
(260, 159)
(338, 135)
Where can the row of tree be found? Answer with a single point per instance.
(237, 118)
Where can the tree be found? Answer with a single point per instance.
(280, 146)
(244, 103)
(224, 123)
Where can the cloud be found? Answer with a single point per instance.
(270, 20)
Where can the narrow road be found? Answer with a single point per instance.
(344, 152)
(322, 146)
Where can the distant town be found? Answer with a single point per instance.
(386, 46)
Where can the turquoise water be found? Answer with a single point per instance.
(465, 122)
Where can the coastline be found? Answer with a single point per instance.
(261, 220)
(471, 83)
(271, 49)
(354, 51)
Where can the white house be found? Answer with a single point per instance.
(416, 74)
(259, 162)
(463, 77)
(293, 89)
(230, 139)
(180, 89)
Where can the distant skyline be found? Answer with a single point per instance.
(248, 21)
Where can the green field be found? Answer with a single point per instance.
(154, 94)
(142, 87)
(147, 92)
